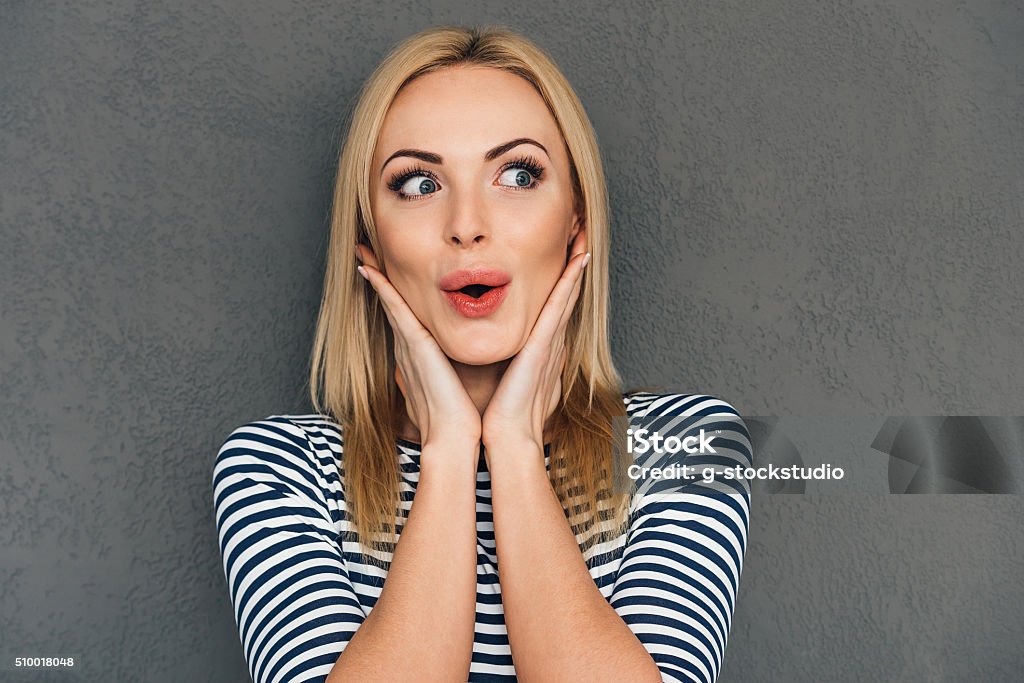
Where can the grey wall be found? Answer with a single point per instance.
(818, 210)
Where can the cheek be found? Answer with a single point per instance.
(540, 231)
(543, 264)
(407, 261)
(543, 279)
(404, 233)
(541, 249)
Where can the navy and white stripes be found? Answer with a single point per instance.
(300, 589)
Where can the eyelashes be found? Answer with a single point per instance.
(399, 182)
(528, 164)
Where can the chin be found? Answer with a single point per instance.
(481, 351)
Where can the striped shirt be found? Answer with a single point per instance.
(300, 588)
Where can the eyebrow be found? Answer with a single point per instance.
(491, 154)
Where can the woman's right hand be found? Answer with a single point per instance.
(435, 398)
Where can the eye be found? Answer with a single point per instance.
(517, 177)
(414, 183)
(418, 185)
(521, 174)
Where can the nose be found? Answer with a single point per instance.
(468, 223)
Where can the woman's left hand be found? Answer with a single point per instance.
(531, 386)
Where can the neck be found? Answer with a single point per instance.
(481, 381)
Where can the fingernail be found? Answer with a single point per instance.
(586, 260)
(362, 271)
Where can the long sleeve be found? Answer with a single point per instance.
(677, 583)
(293, 599)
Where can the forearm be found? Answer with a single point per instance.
(560, 627)
(421, 627)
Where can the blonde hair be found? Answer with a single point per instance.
(352, 363)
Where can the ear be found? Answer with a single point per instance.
(365, 255)
(577, 238)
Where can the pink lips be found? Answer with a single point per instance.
(464, 302)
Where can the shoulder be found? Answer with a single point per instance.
(298, 453)
(708, 434)
(687, 413)
(651, 404)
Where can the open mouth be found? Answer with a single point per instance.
(475, 291)
(476, 300)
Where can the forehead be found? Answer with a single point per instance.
(466, 109)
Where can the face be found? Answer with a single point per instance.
(472, 199)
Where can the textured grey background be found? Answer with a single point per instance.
(818, 210)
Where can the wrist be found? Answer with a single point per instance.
(450, 451)
(461, 440)
(513, 441)
(520, 454)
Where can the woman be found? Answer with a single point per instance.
(466, 398)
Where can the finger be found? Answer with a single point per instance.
(546, 327)
(573, 298)
(556, 361)
(547, 323)
(365, 255)
(577, 248)
(399, 313)
(579, 244)
(554, 397)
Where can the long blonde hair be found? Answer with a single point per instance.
(352, 365)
